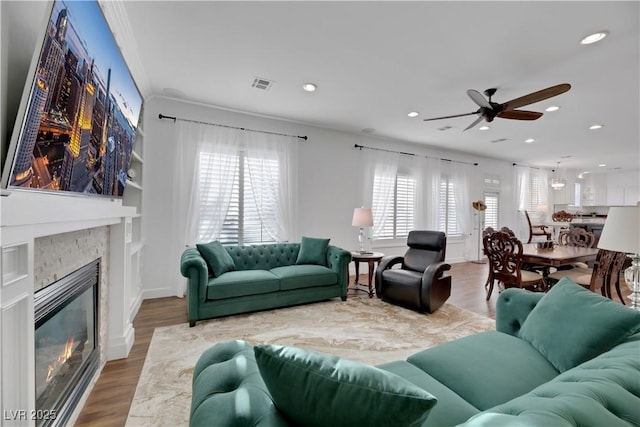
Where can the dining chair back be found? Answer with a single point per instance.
(575, 236)
(504, 252)
(537, 230)
(606, 270)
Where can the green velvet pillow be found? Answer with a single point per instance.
(317, 389)
(216, 257)
(571, 325)
(313, 251)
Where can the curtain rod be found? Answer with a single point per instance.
(411, 154)
(162, 116)
(531, 167)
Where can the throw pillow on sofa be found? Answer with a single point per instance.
(216, 257)
(571, 325)
(317, 389)
(313, 251)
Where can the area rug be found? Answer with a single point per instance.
(362, 329)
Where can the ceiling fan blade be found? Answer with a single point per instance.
(478, 120)
(520, 115)
(449, 117)
(536, 96)
(478, 98)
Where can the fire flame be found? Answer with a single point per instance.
(64, 356)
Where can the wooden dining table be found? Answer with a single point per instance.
(558, 256)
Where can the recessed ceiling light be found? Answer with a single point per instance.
(483, 128)
(553, 108)
(594, 38)
(310, 87)
(602, 165)
(594, 127)
(529, 140)
(413, 114)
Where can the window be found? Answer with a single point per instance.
(491, 197)
(253, 202)
(447, 219)
(492, 200)
(535, 193)
(397, 214)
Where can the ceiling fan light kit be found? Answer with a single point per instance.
(489, 110)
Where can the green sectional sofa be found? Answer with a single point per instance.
(239, 279)
(565, 358)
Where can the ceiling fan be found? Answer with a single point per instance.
(507, 110)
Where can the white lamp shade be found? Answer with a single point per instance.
(362, 217)
(621, 232)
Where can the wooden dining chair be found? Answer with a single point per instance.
(504, 252)
(537, 230)
(575, 236)
(605, 271)
(620, 264)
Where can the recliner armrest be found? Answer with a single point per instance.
(433, 273)
(385, 263)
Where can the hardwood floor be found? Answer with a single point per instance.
(110, 399)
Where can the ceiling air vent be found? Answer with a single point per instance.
(499, 140)
(444, 128)
(260, 83)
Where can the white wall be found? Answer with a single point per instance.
(330, 184)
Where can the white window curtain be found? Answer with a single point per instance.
(381, 168)
(532, 194)
(191, 140)
(430, 193)
(277, 207)
(201, 205)
(462, 174)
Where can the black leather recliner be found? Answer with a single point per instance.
(420, 282)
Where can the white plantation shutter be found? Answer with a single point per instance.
(535, 192)
(405, 202)
(209, 194)
(397, 215)
(492, 200)
(243, 224)
(447, 220)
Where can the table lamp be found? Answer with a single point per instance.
(621, 233)
(362, 217)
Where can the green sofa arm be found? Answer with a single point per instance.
(194, 268)
(512, 309)
(338, 260)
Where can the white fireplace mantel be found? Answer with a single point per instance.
(25, 216)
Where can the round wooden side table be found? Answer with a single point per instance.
(371, 259)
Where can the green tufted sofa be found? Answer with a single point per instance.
(495, 378)
(266, 276)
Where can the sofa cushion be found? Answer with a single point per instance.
(316, 389)
(216, 257)
(571, 325)
(241, 283)
(304, 276)
(313, 251)
(486, 369)
(450, 410)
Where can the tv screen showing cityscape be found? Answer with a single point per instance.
(81, 113)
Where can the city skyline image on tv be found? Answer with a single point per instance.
(81, 117)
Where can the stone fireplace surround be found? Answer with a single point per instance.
(44, 237)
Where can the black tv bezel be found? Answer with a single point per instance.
(8, 162)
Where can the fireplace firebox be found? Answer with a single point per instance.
(67, 350)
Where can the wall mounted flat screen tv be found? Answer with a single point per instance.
(78, 117)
